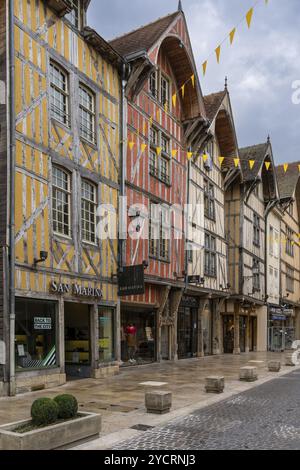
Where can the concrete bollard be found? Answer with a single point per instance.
(214, 384)
(158, 402)
(274, 366)
(248, 374)
(289, 360)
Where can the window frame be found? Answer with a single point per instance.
(290, 279)
(210, 253)
(289, 247)
(256, 230)
(64, 117)
(165, 102)
(76, 7)
(90, 112)
(94, 204)
(68, 192)
(159, 247)
(209, 200)
(156, 170)
(256, 281)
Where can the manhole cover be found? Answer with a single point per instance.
(142, 427)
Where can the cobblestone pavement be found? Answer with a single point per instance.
(266, 417)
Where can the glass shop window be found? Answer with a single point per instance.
(35, 335)
(106, 335)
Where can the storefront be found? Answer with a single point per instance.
(138, 336)
(188, 327)
(281, 328)
(71, 333)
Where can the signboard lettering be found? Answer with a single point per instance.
(76, 289)
(131, 280)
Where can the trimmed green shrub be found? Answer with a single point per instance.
(67, 406)
(44, 411)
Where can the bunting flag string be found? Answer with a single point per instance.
(236, 161)
(217, 52)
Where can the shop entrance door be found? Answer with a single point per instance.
(187, 332)
(77, 341)
(228, 329)
(281, 338)
(243, 332)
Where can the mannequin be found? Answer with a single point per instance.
(131, 332)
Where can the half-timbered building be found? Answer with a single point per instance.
(59, 311)
(284, 326)
(210, 175)
(248, 203)
(161, 130)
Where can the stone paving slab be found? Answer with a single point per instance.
(263, 418)
(120, 399)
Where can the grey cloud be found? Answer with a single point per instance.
(261, 65)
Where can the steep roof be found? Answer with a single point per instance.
(143, 38)
(254, 152)
(287, 181)
(212, 103)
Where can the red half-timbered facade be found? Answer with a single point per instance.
(161, 130)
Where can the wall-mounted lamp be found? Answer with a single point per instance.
(43, 257)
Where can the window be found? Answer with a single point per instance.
(290, 274)
(61, 201)
(209, 200)
(59, 105)
(159, 166)
(256, 230)
(289, 242)
(35, 335)
(106, 335)
(87, 114)
(153, 85)
(74, 15)
(210, 262)
(274, 243)
(164, 92)
(159, 232)
(256, 275)
(88, 211)
(190, 255)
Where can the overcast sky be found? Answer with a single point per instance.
(261, 65)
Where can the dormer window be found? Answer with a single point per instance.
(74, 15)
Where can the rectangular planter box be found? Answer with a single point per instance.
(51, 437)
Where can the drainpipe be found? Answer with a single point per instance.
(123, 149)
(12, 156)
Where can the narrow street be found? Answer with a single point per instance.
(263, 418)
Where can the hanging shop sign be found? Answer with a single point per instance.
(131, 280)
(289, 312)
(75, 289)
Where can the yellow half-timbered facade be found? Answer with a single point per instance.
(67, 95)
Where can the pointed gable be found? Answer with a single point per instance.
(287, 181)
(142, 39)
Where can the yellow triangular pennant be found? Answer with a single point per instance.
(189, 155)
(174, 153)
(268, 164)
(249, 17)
(158, 151)
(205, 157)
(174, 98)
(221, 160)
(236, 162)
(251, 164)
(166, 107)
(158, 115)
(231, 35)
(151, 121)
(204, 67)
(144, 128)
(143, 147)
(131, 145)
(299, 168)
(285, 167)
(183, 90)
(218, 53)
(193, 80)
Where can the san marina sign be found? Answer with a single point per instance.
(75, 289)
